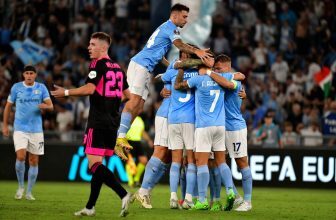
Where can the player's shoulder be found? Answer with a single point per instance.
(17, 85)
(39, 84)
(168, 26)
(97, 63)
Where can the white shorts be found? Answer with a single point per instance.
(210, 139)
(32, 142)
(138, 79)
(181, 136)
(236, 143)
(161, 131)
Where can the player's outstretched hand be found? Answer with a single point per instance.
(209, 62)
(58, 92)
(203, 54)
(5, 131)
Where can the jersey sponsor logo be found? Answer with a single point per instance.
(92, 74)
(28, 100)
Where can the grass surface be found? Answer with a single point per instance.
(61, 200)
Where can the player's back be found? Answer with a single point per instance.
(182, 106)
(234, 119)
(110, 82)
(157, 45)
(27, 98)
(209, 101)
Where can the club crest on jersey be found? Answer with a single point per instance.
(92, 74)
(176, 32)
(36, 92)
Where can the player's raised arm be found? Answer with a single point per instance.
(203, 54)
(188, 63)
(179, 82)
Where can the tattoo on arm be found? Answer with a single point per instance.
(188, 63)
(184, 47)
(179, 83)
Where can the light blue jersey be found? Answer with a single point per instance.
(26, 99)
(209, 102)
(164, 107)
(234, 120)
(182, 106)
(157, 45)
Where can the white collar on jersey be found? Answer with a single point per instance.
(27, 85)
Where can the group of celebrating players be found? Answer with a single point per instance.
(197, 121)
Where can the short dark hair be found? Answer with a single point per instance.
(29, 68)
(222, 58)
(179, 7)
(102, 36)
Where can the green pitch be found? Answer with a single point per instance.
(61, 200)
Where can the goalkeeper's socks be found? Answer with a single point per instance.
(103, 175)
(96, 183)
(110, 180)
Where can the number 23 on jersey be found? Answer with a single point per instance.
(114, 84)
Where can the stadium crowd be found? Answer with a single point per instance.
(278, 46)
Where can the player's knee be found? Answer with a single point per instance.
(93, 167)
(21, 157)
(160, 152)
(134, 103)
(242, 162)
(33, 160)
